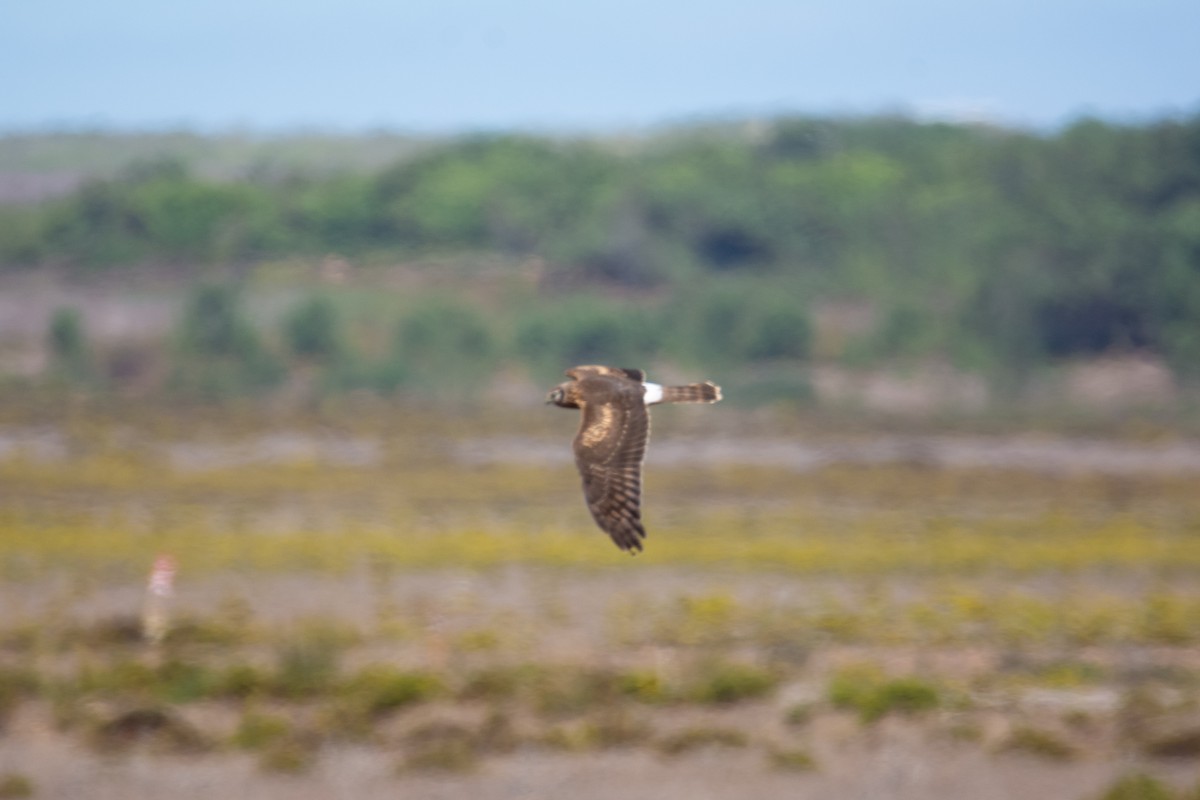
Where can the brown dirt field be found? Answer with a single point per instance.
(559, 617)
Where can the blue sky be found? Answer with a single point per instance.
(455, 65)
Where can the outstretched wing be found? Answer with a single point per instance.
(609, 450)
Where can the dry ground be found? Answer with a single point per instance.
(353, 621)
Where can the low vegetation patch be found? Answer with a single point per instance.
(1066, 601)
(1138, 786)
(866, 691)
(1039, 742)
(15, 786)
(791, 758)
(730, 682)
(699, 737)
(441, 746)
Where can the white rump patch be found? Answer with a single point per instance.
(654, 393)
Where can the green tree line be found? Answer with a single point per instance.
(442, 347)
(985, 245)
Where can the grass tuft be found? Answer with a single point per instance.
(441, 746)
(797, 759)
(699, 737)
(158, 728)
(730, 682)
(1177, 744)
(865, 690)
(379, 689)
(289, 755)
(14, 786)
(257, 731)
(1038, 742)
(1138, 786)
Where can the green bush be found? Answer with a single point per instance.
(15, 685)
(258, 731)
(1039, 742)
(219, 353)
(14, 785)
(730, 682)
(379, 689)
(313, 331)
(698, 737)
(873, 696)
(742, 320)
(1138, 786)
(580, 330)
(68, 346)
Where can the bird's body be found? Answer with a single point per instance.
(611, 443)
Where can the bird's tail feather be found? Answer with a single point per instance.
(707, 392)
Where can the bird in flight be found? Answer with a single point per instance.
(611, 443)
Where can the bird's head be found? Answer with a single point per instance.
(559, 397)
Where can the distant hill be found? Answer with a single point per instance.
(37, 166)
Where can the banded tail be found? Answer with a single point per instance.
(707, 392)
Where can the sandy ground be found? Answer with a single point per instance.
(898, 757)
(900, 766)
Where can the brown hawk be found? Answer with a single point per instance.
(611, 443)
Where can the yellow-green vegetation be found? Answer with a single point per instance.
(730, 682)
(1138, 786)
(1039, 742)
(797, 759)
(697, 737)
(289, 756)
(15, 785)
(603, 728)
(103, 511)
(257, 730)
(441, 746)
(866, 690)
(452, 610)
(155, 727)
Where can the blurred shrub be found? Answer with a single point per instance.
(796, 759)
(1039, 742)
(70, 356)
(579, 330)
(442, 345)
(242, 681)
(441, 746)
(15, 685)
(1183, 743)
(308, 660)
(1137, 786)
(312, 330)
(735, 321)
(699, 737)
(645, 686)
(219, 353)
(14, 785)
(730, 682)
(289, 755)
(256, 731)
(213, 324)
(150, 725)
(873, 696)
(377, 690)
(606, 727)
